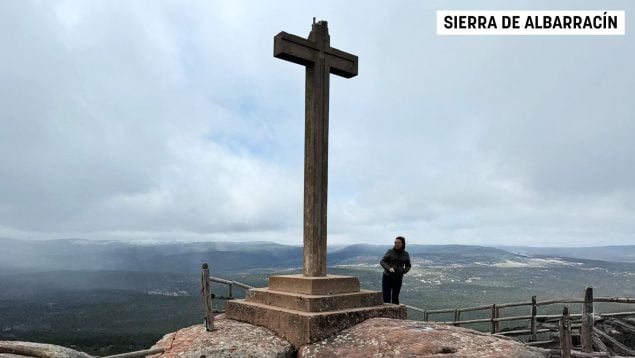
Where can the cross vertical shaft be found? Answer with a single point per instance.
(320, 60)
(316, 157)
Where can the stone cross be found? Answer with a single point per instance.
(320, 60)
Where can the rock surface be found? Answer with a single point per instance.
(230, 339)
(385, 337)
(376, 337)
(12, 349)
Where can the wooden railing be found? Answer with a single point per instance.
(494, 317)
(208, 296)
(230, 287)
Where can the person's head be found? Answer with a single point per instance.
(400, 243)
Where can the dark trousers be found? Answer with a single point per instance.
(391, 287)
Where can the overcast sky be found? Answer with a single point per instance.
(172, 120)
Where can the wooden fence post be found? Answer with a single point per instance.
(586, 330)
(534, 310)
(495, 313)
(425, 315)
(564, 329)
(207, 298)
(457, 316)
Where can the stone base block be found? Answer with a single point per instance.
(306, 327)
(314, 285)
(315, 303)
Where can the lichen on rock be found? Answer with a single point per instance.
(385, 337)
(229, 339)
(376, 337)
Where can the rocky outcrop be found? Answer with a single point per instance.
(376, 337)
(384, 337)
(13, 349)
(229, 339)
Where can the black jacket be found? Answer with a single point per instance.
(400, 261)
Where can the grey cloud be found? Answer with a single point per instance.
(170, 119)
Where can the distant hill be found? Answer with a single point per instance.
(439, 254)
(72, 254)
(224, 257)
(622, 253)
(234, 257)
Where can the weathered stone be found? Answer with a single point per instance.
(305, 327)
(29, 349)
(376, 337)
(321, 285)
(315, 303)
(292, 311)
(230, 339)
(382, 337)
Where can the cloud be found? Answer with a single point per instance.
(173, 120)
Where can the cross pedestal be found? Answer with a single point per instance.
(309, 307)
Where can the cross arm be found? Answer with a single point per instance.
(342, 63)
(294, 49)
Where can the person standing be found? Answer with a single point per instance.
(396, 263)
